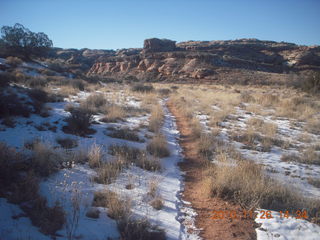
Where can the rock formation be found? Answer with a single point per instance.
(162, 59)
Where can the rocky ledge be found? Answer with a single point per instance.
(163, 59)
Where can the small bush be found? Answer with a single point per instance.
(93, 213)
(125, 133)
(131, 229)
(79, 121)
(157, 203)
(37, 81)
(67, 142)
(311, 83)
(142, 88)
(117, 208)
(139, 157)
(158, 146)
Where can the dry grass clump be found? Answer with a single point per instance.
(95, 102)
(156, 200)
(157, 203)
(158, 146)
(217, 117)
(156, 118)
(134, 155)
(268, 100)
(67, 142)
(45, 159)
(313, 126)
(267, 128)
(117, 208)
(142, 229)
(13, 61)
(114, 113)
(109, 171)
(196, 127)
(206, 146)
(247, 185)
(298, 107)
(95, 156)
(308, 156)
(125, 133)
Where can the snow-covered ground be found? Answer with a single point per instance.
(176, 217)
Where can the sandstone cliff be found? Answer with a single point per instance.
(162, 59)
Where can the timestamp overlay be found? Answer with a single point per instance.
(296, 224)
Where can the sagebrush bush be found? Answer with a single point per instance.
(67, 142)
(142, 88)
(79, 121)
(125, 133)
(156, 119)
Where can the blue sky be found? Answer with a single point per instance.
(114, 24)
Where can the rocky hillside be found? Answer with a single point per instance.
(162, 59)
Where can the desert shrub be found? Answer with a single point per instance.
(311, 83)
(67, 142)
(79, 121)
(158, 146)
(93, 213)
(142, 88)
(132, 229)
(20, 185)
(78, 84)
(37, 81)
(5, 79)
(314, 181)
(164, 91)
(10, 105)
(45, 160)
(13, 61)
(9, 122)
(39, 98)
(125, 133)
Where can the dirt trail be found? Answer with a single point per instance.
(204, 206)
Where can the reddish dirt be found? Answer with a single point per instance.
(204, 205)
